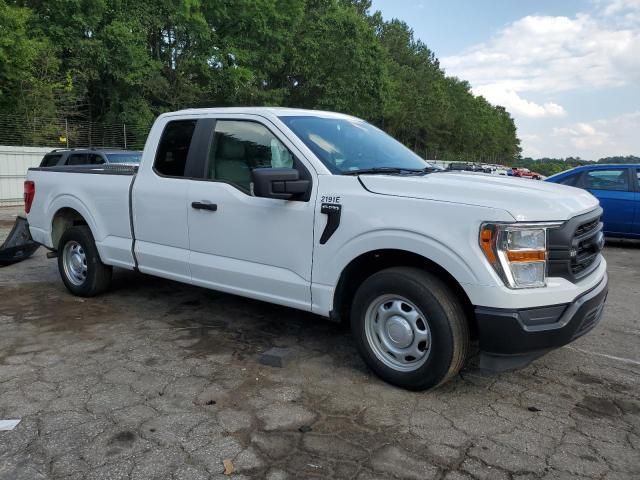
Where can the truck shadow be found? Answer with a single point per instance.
(207, 321)
(619, 243)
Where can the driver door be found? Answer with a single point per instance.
(243, 244)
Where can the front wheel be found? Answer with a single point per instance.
(410, 328)
(79, 264)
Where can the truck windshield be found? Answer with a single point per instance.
(133, 157)
(346, 146)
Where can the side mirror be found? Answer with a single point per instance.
(281, 183)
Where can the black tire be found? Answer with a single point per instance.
(442, 311)
(98, 275)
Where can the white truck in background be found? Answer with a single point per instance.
(325, 213)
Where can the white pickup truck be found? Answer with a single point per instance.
(325, 213)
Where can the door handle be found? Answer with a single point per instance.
(212, 207)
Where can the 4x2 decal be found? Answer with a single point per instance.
(333, 212)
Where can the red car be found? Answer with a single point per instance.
(525, 173)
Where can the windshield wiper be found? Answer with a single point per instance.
(383, 170)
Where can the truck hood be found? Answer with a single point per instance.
(526, 200)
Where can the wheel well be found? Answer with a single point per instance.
(372, 262)
(62, 220)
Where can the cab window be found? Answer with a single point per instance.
(570, 180)
(95, 159)
(77, 159)
(240, 146)
(613, 179)
(173, 149)
(50, 160)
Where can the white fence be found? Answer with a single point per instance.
(14, 162)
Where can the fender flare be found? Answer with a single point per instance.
(409, 241)
(74, 203)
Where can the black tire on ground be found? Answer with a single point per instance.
(98, 275)
(442, 311)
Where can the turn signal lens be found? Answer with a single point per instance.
(487, 245)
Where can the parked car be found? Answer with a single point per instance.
(459, 167)
(525, 173)
(618, 189)
(89, 156)
(325, 213)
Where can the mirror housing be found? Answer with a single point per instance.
(280, 183)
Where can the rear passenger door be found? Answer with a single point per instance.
(613, 187)
(160, 203)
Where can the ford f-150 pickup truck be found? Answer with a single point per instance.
(325, 213)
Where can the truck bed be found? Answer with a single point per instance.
(99, 193)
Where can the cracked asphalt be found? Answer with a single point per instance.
(158, 380)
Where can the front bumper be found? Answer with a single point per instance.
(512, 338)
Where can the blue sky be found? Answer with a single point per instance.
(568, 71)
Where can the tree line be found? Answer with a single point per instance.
(126, 61)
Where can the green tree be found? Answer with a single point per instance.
(126, 61)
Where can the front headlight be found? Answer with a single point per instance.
(517, 252)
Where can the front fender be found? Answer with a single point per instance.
(461, 267)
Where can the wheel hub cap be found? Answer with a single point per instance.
(74, 261)
(399, 332)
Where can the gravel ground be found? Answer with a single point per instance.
(160, 380)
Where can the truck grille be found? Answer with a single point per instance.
(587, 227)
(574, 248)
(588, 240)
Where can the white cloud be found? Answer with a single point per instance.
(629, 9)
(516, 104)
(592, 140)
(582, 136)
(546, 55)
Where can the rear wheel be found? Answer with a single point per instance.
(410, 328)
(79, 264)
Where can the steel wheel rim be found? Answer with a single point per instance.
(398, 333)
(74, 261)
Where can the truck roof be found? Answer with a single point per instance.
(93, 150)
(276, 111)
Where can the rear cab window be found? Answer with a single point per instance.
(173, 149)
